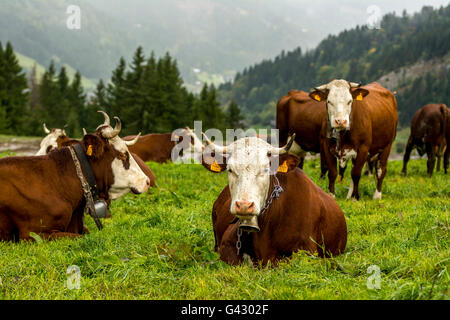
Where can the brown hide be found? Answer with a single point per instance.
(373, 126)
(428, 135)
(303, 211)
(153, 147)
(43, 194)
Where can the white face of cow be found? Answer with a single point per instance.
(50, 140)
(339, 104)
(126, 179)
(127, 174)
(248, 175)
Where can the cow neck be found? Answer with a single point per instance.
(87, 179)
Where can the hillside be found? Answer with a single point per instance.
(360, 55)
(211, 40)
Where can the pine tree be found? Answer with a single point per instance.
(233, 116)
(14, 94)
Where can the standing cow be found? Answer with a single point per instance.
(44, 195)
(298, 113)
(361, 124)
(428, 134)
(299, 216)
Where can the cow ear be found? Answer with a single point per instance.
(319, 95)
(214, 165)
(93, 146)
(287, 162)
(359, 93)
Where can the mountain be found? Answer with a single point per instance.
(363, 54)
(210, 39)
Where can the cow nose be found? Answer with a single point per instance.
(244, 207)
(340, 123)
(148, 182)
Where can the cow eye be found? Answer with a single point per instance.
(349, 102)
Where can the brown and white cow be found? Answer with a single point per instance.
(158, 146)
(303, 217)
(54, 139)
(43, 194)
(298, 113)
(428, 135)
(361, 125)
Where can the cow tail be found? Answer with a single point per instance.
(444, 118)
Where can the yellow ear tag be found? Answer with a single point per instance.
(317, 97)
(89, 150)
(283, 168)
(215, 167)
(359, 97)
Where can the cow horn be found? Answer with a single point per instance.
(282, 150)
(214, 147)
(320, 88)
(114, 132)
(107, 121)
(354, 84)
(84, 132)
(46, 130)
(132, 142)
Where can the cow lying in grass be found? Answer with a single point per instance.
(301, 217)
(44, 195)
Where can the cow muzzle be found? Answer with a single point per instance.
(245, 211)
(341, 123)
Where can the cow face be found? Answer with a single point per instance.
(339, 95)
(52, 141)
(249, 164)
(113, 151)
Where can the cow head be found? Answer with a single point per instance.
(249, 161)
(109, 154)
(54, 139)
(339, 95)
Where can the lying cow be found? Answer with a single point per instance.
(361, 125)
(428, 135)
(44, 195)
(54, 139)
(158, 146)
(300, 217)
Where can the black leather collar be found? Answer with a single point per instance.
(87, 170)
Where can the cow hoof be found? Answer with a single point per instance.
(377, 195)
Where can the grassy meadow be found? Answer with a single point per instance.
(160, 246)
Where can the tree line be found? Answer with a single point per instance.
(147, 95)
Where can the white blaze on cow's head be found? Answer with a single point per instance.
(339, 95)
(127, 174)
(50, 142)
(249, 162)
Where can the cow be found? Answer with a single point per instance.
(301, 216)
(361, 124)
(447, 138)
(158, 147)
(55, 138)
(298, 113)
(428, 135)
(44, 194)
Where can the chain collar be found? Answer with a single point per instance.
(86, 190)
(276, 192)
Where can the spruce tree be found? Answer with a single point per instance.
(233, 116)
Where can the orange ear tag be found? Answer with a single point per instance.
(317, 97)
(359, 97)
(89, 150)
(284, 167)
(215, 167)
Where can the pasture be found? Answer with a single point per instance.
(160, 246)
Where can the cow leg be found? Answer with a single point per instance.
(302, 160)
(342, 172)
(323, 165)
(380, 171)
(431, 153)
(6, 228)
(409, 148)
(332, 174)
(446, 158)
(227, 248)
(358, 165)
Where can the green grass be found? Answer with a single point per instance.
(160, 246)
